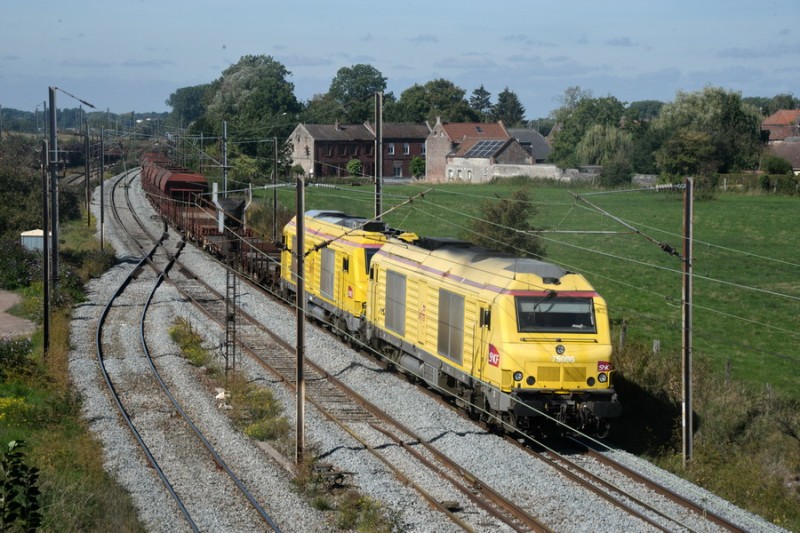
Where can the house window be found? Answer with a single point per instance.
(450, 174)
(329, 149)
(469, 175)
(424, 149)
(406, 148)
(390, 148)
(397, 170)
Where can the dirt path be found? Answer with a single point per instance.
(11, 326)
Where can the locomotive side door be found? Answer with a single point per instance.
(481, 355)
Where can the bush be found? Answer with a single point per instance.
(615, 173)
(13, 354)
(18, 266)
(772, 164)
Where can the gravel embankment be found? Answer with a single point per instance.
(560, 503)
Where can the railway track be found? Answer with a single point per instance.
(370, 426)
(355, 415)
(405, 452)
(148, 407)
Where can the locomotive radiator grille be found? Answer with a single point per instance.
(549, 373)
(576, 374)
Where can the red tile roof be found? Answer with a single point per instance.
(459, 131)
(782, 124)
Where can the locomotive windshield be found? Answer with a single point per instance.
(555, 314)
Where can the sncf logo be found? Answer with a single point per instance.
(494, 356)
(604, 366)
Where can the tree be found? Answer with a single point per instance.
(437, 98)
(354, 88)
(687, 153)
(576, 118)
(504, 226)
(187, 104)
(733, 127)
(509, 109)
(322, 109)
(253, 96)
(417, 166)
(354, 167)
(643, 110)
(481, 103)
(603, 143)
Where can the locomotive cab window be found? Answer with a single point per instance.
(555, 314)
(370, 254)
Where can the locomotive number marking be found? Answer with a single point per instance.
(563, 359)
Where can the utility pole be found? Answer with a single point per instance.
(378, 153)
(224, 159)
(300, 253)
(86, 172)
(53, 160)
(45, 254)
(688, 217)
(275, 190)
(102, 194)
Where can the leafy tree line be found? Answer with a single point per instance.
(699, 133)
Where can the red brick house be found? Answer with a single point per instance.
(326, 149)
(782, 124)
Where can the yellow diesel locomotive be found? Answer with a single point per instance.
(511, 338)
(337, 256)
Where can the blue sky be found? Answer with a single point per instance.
(131, 55)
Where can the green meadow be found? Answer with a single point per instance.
(746, 294)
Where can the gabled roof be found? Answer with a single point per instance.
(339, 132)
(402, 130)
(460, 131)
(539, 148)
(366, 131)
(788, 150)
(783, 117)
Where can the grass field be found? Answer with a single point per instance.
(746, 265)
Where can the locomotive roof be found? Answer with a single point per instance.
(351, 221)
(464, 253)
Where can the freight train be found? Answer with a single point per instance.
(517, 342)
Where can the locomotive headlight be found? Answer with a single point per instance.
(531, 380)
(602, 377)
(590, 382)
(517, 376)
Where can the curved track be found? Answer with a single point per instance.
(186, 437)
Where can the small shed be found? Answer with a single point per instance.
(32, 239)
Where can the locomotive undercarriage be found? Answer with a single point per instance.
(521, 409)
